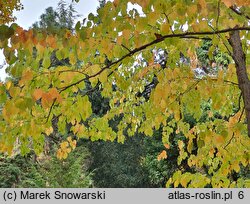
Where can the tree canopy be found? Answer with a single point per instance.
(119, 51)
(7, 8)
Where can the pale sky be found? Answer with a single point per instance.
(34, 8)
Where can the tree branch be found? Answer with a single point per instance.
(156, 41)
(239, 13)
(241, 71)
(50, 111)
(218, 15)
(196, 37)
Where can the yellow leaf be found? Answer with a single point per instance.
(103, 76)
(49, 131)
(184, 181)
(8, 85)
(73, 144)
(72, 58)
(195, 27)
(177, 115)
(68, 150)
(165, 28)
(40, 49)
(64, 145)
(69, 139)
(163, 105)
(75, 89)
(59, 154)
(64, 155)
(235, 166)
(176, 183)
(126, 34)
(14, 91)
(94, 69)
(180, 144)
(26, 77)
(211, 152)
(219, 139)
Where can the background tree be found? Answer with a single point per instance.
(55, 20)
(102, 3)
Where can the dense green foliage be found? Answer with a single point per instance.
(53, 20)
(20, 172)
(70, 173)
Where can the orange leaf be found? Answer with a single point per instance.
(37, 94)
(116, 2)
(46, 100)
(242, 3)
(162, 155)
(219, 139)
(51, 41)
(228, 3)
(54, 94)
(167, 146)
(203, 4)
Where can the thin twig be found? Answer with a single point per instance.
(186, 91)
(125, 47)
(50, 110)
(239, 101)
(229, 141)
(170, 27)
(224, 43)
(218, 15)
(197, 38)
(241, 114)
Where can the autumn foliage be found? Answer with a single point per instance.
(115, 51)
(6, 10)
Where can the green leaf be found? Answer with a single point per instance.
(5, 32)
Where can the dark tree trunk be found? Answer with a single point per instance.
(240, 62)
